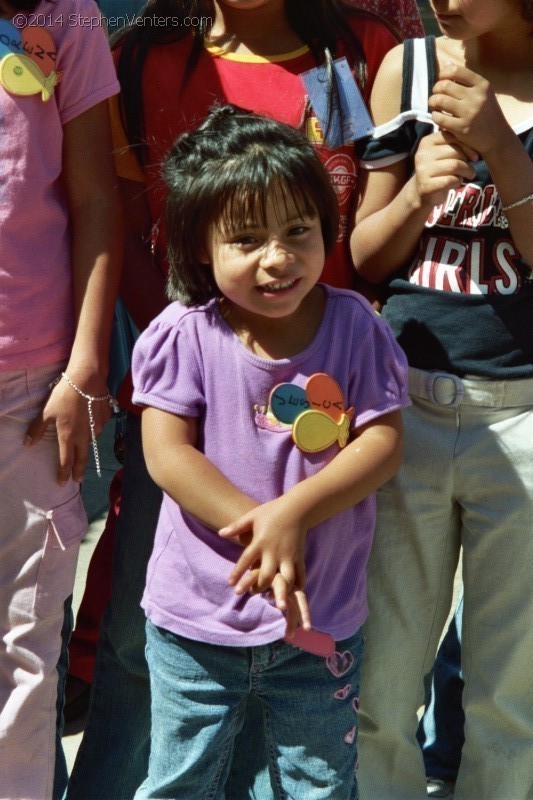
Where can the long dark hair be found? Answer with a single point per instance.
(320, 24)
(223, 173)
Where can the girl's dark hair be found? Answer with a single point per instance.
(223, 173)
(321, 24)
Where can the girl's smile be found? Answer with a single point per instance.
(275, 288)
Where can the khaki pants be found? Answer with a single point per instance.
(466, 481)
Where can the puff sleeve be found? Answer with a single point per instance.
(166, 364)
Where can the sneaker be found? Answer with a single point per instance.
(439, 788)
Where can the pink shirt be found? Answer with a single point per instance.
(36, 306)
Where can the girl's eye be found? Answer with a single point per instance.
(245, 240)
(298, 230)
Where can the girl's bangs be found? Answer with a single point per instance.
(244, 201)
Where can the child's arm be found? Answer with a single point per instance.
(280, 526)
(96, 224)
(393, 206)
(185, 474)
(464, 105)
(201, 490)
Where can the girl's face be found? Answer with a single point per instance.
(461, 19)
(267, 269)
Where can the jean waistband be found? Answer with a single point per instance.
(450, 391)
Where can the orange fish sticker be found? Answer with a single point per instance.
(317, 413)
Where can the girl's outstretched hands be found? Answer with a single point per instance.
(273, 561)
(464, 104)
(441, 164)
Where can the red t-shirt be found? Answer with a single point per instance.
(269, 86)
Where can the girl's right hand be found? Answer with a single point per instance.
(275, 551)
(441, 164)
(273, 559)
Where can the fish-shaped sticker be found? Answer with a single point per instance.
(27, 61)
(19, 75)
(317, 413)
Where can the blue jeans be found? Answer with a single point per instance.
(113, 756)
(441, 730)
(199, 694)
(249, 777)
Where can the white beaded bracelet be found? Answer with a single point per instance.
(90, 400)
(517, 203)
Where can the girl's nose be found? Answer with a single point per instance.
(274, 254)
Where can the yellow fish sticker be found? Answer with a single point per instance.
(19, 75)
(314, 431)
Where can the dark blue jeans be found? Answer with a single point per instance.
(441, 729)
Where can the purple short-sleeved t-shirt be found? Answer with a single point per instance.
(189, 362)
(55, 63)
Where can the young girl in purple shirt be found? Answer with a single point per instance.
(271, 415)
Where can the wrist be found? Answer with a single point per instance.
(91, 377)
(505, 149)
(299, 505)
(415, 203)
(91, 401)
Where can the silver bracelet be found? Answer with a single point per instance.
(90, 400)
(517, 203)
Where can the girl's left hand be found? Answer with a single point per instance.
(293, 604)
(68, 413)
(464, 104)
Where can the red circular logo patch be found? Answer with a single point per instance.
(341, 170)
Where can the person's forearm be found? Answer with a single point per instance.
(356, 472)
(96, 223)
(385, 240)
(511, 169)
(96, 257)
(188, 476)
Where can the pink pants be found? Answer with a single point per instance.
(41, 527)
